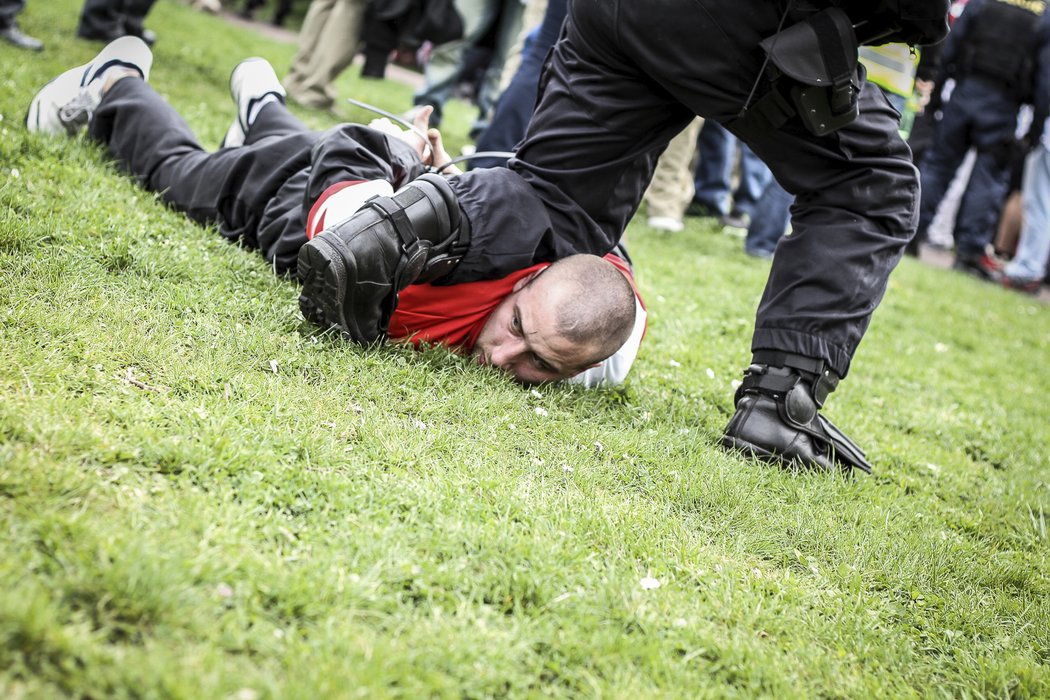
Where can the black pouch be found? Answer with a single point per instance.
(817, 64)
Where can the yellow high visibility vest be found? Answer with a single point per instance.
(891, 67)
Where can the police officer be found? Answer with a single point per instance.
(999, 56)
(623, 79)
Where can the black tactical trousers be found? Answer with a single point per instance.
(624, 79)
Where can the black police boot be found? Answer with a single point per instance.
(777, 416)
(352, 272)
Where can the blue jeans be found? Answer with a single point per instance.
(515, 105)
(1033, 248)
(770, 220)
(714, 171)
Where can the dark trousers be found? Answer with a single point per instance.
(623, 80)
(981, 116)
(515, 105)
(109, 17)
(769, 221)
(9, 9)
(258, 193)
(712, 184)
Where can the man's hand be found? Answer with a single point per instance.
(430, 150)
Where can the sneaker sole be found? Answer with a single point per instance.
(108, 57)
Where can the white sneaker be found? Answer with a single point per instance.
(65, 104)
(253, 84)
(665, 223)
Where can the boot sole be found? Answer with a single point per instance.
(323, 273)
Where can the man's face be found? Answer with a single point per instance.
(520, 338)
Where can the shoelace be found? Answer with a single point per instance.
(76, 113)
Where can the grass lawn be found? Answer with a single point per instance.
(201, 496)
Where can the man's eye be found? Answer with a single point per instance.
(540, 363)
(515, 323)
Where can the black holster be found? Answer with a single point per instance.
(814, 73)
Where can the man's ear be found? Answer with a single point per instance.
(520, 284)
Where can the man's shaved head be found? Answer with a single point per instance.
(597, 304)
(559, 321)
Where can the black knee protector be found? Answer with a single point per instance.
(426, 217)
(353, 271)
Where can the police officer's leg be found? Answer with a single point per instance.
(602, 118)
(579, 177)
(856, 192)
(995, 118)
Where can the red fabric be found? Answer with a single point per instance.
(452, 315)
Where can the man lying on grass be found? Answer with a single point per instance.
(274, 184)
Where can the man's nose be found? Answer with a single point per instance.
(506, 353)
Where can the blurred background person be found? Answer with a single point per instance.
(714, 194)
(282, 9)
(445, 65)
(106, 20)
(9, 29)
(328, 42)
(671, 188)
(542, 20)
(997, 52)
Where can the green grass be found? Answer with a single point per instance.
(202, 496)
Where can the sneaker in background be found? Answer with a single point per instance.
(253, 84)
(1017, 284)
(65, 104)
(665, 223)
